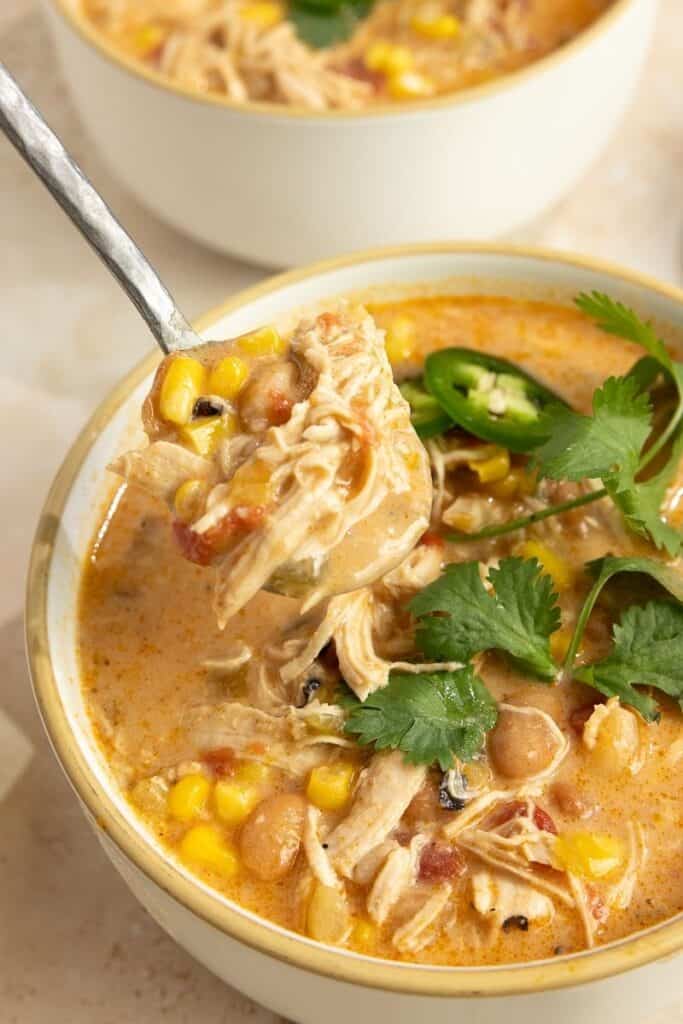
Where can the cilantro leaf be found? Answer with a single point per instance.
(641, 503)
(614, 317)
(603, 569)
(648, 651)
(322, 24)
(432, 717)
(607, 443)
(459, 618)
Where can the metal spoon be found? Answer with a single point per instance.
(46, 156)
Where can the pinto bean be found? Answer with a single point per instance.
(571, 802)
(271, 836)
(521, 745)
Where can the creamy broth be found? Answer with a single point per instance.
(397, 50)
(147, 633)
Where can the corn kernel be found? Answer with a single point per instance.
(188, 798)
(386, 57)
(589, 855)
(407, 85)
(234, 801)
(439, 26)
(557, 568)
(204, 846)
(401, 339)
(494, 469)
(228, 377)
(329, 786)
(145, 40)
(181, 387)
(519, 483)
(205, 434)
(263, 14)
(364, 933)
(265, 342)
(255, 772)
(188, 499)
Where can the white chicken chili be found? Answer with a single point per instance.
(470, 750)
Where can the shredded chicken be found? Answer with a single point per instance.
(161, 468)
(498, 898)
(418, 932)
(385, 790)
(619, 728)
(316, 854)
(397, 874)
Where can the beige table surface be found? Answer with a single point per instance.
(75, 948)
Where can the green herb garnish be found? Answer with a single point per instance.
(430, 717)
(323, 23)
(458, 617)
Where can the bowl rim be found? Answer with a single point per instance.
(72, 14)
(662, 940)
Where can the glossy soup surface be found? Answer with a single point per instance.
(400, 50)
(147, 633)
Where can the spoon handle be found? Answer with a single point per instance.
(44, 153)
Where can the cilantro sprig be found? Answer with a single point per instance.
(648, 639)
(458, 617)
(432, 717)
(322, 23)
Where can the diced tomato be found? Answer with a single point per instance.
(438, 862)
(543, 821)
(432, 540)
(518, 809)
(193, 545)
(202, 548)
(221, 761)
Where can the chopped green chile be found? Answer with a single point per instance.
(426, 415)
(490, 398)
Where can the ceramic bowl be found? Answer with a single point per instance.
(280, 186)
(292, 975)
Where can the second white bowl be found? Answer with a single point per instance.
(280, 186)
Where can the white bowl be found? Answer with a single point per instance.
(300, 979)
(281, 186)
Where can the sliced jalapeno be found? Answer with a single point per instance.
(490, 398)
(426, 415)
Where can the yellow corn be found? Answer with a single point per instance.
(255, 772)
(389, 58)
(589, 855)
(517, 484)
(181, 387)
(557, 568)
(494, 469)
(228, 377)
(329, 786)
(145, 40)
(265, 342)
(401, 339)
(188, 798)
(205, 434)
(436, 26)
(188, 499)
(235, 801)
(263, 14)
(204, 846)
(364, 933)
(409, 85)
